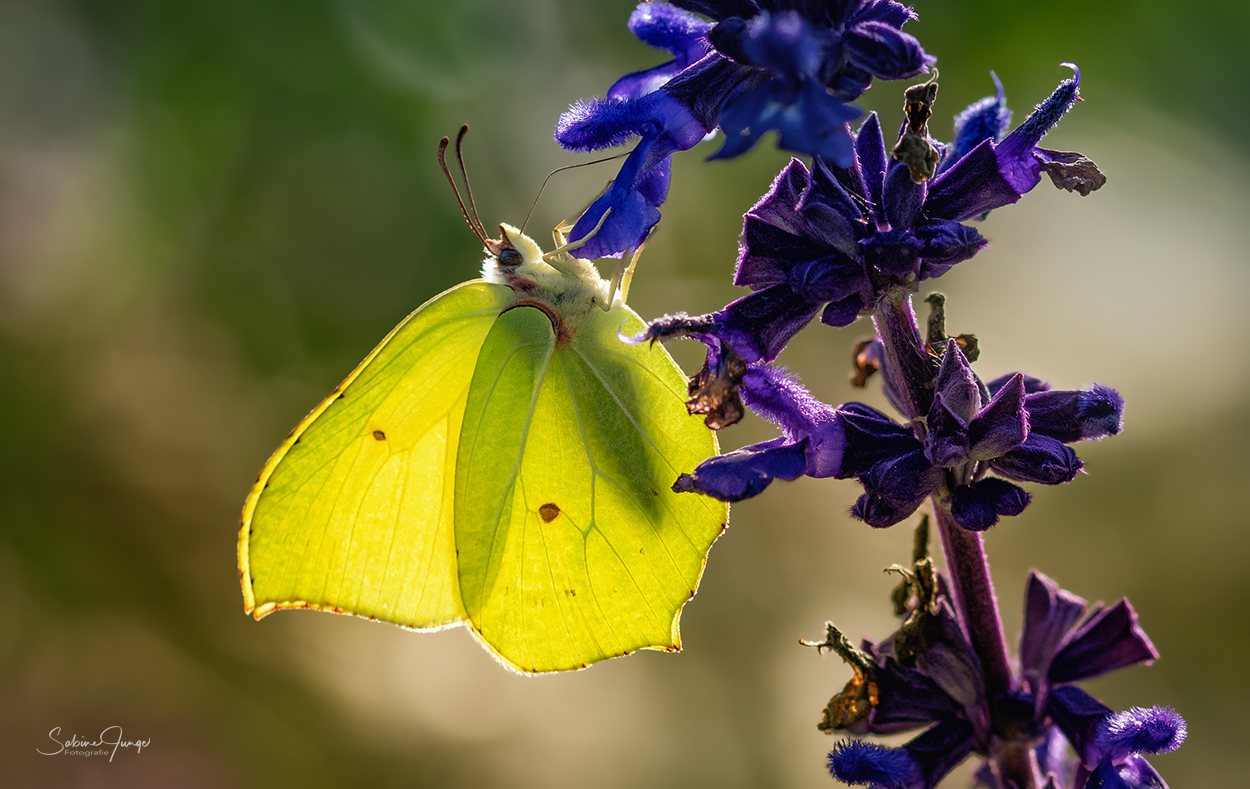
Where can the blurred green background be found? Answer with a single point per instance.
(211, 210)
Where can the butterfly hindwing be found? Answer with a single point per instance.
(353, 512)
(572, 547)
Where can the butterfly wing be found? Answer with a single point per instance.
(572, 546)
(353, 513)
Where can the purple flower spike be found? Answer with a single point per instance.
(810, 59)
(927, 672)
(793, 101)
(834, 239)
(1055, 649)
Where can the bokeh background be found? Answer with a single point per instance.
(210, 210)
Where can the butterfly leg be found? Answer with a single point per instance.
(625, 274)
(579, 243)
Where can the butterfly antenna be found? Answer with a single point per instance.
(442, 162)
(468, 191)
(534, 204)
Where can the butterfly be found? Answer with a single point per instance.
(500, 461)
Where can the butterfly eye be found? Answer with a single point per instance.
(510, 257)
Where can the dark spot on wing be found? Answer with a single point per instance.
(548, 512)
(379, 435)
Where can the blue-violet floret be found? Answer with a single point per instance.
(784, 65)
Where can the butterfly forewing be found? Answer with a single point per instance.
(353, 513)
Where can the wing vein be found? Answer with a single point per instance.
(595, 473)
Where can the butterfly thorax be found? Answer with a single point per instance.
(565, 288)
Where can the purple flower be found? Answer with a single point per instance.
(1065, 640)
(920, 764)
(787, 53)
(969, 430)
(986, 119)
(794, 65)
(636, 106)
(991, 174)
(753, 69)
(1062, 641)
(833, 240)
(1123, 737)
(811, 442)
(924, 675)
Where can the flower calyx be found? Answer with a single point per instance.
(915, 148)
(857, 699)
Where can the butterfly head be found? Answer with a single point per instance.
(512, 259)
(512, 249)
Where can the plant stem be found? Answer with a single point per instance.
(905, 356)
(974, 599)
(977, 605)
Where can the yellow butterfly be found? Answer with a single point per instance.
(500, 461)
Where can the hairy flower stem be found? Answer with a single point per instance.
(905, 355)
(974, 598)
(973, 590)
